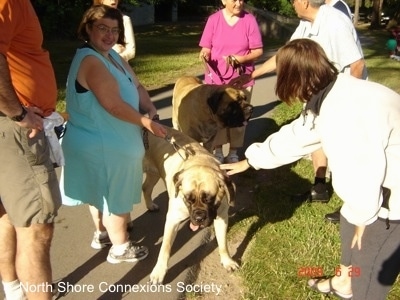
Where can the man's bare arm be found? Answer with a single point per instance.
(10, 104)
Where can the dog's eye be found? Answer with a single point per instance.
(206, 198)
(190, 198)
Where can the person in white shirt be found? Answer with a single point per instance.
(357, 124)
(337, 36)
(340, 5)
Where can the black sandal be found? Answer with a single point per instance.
(314, 285)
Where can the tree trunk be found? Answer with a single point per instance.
(356, 12)
(174, 11)
(376, 14)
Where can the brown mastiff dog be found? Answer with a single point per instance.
(200, 110)
(197, 189)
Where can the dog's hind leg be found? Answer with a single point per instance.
(147, 189)
(221, 228)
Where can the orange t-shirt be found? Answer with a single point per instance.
(21, 41)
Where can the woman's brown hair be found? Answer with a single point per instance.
(98, 12)
(302, 70)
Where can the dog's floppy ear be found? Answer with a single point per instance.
(241, 96)
(215, 99)
(228, 187)
(236, 94)
(177, 179)
(230, 191)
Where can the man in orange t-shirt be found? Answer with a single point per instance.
(29, 192)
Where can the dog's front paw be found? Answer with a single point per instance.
(157, 275)
(229, 264)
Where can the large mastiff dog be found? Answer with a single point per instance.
(197, 189)
(200, 110)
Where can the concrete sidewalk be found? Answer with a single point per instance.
(83, 273)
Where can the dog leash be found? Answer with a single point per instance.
(145, 135)
(230, 61)
(235, 64)
(207, 69)
(169, 139)
(177, 147)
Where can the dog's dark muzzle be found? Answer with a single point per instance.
(236, 114)
(199, 217)
(248, 111)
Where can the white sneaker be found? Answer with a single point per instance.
(131, 254)
(100, 242)
(232, 158)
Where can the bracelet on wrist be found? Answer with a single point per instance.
(21, 116)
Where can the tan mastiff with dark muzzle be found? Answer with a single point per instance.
(200, 110)
(197, 189)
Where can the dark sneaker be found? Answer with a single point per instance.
(131, 254)
(100, 242)
(320, 193)
(333, 217)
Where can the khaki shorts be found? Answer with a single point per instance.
(29, 189)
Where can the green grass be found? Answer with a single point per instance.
(165, 52)
(381, 69)
(284, 236)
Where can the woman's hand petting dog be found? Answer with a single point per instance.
(235, 168)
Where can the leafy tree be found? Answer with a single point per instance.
(281, 7)
(376, 14)
(60, 18)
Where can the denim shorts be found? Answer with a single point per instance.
(29, 189)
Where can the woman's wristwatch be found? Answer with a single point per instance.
(20, 117)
